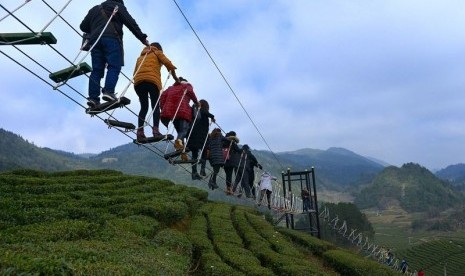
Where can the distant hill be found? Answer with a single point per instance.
(454, 174)
(412, 186)
(336, 168)
(15, 152)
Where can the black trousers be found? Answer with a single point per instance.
(144, 90)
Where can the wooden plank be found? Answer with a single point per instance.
(126, 126)
(176, 162)
(27, 38)
(108, 106)
(175, 153)
(70, 72)
(154, 139)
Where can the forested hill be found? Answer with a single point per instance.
(16, 152)
(336, 168)
(454, 174)
(412, 186)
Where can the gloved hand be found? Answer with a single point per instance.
(260, 167)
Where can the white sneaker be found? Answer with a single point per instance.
(109, 97)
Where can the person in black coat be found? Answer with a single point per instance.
(251, 164)
(231, 160)
(108, 50)
(245, 170)
(215, 146)
(199, 135)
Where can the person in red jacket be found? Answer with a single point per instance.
(174, 103)
(421, 272)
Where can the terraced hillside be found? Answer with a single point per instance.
(104, 222)
(438, 256)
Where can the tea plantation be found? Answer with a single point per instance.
(106, 223)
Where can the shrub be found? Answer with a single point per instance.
(136, 225)
(314, 245)
(173, 240)
(262, 248)
(347, 263)
(205, 259)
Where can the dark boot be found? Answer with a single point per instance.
(212, 183)
(156, 132)
(203, 163)
(140, 135)
(196, 176)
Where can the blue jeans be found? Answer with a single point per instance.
(108, 51)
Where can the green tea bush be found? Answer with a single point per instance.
(314, 245)
(136, 225)
(347, 263)
(214, 265)
(241, 259)
(280, 264)
(13, 264)
(28, 173)
(205, 261)
(228, 245)
(174, 240)
(86, 173)
(277, 241)
(64, 230)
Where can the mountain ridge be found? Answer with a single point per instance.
(413, 187)
(336, 167)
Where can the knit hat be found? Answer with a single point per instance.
(182, 80)
(156, 44)
(231, 133)
(232, 136)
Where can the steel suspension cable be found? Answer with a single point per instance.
(227, 83)
(66, 95)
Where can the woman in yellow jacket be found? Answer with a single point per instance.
(147, 82)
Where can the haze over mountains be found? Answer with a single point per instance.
(337, 169)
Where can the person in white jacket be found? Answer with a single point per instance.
(266, 187)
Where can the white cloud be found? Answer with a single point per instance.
(380, 78)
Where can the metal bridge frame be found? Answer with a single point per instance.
(305, 179)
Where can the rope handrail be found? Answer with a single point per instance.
(16, 9)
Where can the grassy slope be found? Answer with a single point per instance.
(429, 250)
(104, 222)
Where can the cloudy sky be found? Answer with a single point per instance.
(384, 79)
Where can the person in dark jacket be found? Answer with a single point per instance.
(251, 174)
(215, 146)
(305, 194)
(246, 163)
(108, 50)
(232, 160)
(403, 266)
(199, 135)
